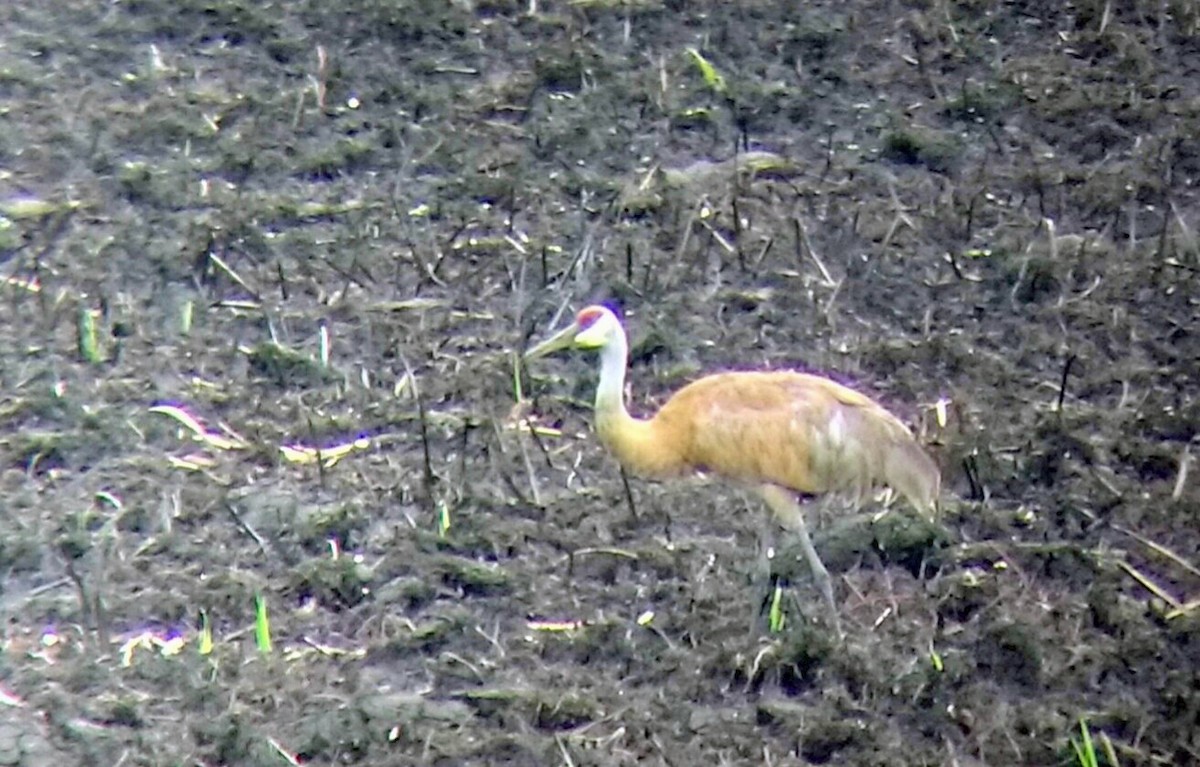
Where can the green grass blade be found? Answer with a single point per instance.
(776, 618)
(89, 348)
(205, 640)
(712, 78)
(1085, 751)
(443, 518)
(262, 625)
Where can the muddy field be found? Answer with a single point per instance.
(267, 267)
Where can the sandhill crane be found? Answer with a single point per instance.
(785, 433)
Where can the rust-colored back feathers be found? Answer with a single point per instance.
(802, 432)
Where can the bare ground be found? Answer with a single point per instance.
(988, 204)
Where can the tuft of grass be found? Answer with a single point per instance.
(692, 118)
(939, 152)
(288, 367)
(776, 618)
(1085, 749)
(443, 518)
(33, 208)
(204, 640)
(712, 78)
(262, 625)
(89, 346)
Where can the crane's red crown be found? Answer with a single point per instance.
(587, 316)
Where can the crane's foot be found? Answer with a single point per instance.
(766, 584)
(788, 512)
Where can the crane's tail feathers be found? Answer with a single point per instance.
(909, 470)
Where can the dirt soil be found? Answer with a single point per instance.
(324, 231)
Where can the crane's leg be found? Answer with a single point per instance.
(787, 510)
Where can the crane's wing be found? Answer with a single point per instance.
(799, 431)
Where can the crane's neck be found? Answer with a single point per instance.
(610, 392)
(635, 442)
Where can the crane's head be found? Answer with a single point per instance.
(595, 327)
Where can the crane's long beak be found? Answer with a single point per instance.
(563, 339)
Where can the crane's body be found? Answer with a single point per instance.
(784, 432)
(799, 431)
